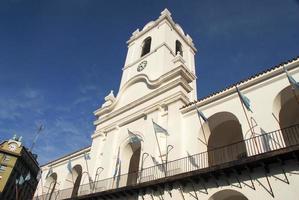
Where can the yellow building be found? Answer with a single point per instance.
(18, 171)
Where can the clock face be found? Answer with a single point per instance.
(12, 146)
(141, 66)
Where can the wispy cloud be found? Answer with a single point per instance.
(65, 130)
(87, 88)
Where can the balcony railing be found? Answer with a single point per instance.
(236, 152)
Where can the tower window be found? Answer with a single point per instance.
(146, 46)
(178, 48)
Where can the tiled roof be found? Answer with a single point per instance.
(242, 81)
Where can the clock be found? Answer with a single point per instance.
(141, 66)
(12, 146)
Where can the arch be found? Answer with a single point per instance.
(73, 180)
(178, 48)
(225, 130)
(286, 110)
(134, 166)
(130, 155)
(228, 195)
(50, 184)
(146, 46)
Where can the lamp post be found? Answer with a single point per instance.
(97, 175)
(142, 162)
(169, 148)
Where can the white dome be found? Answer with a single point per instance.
(148, 25)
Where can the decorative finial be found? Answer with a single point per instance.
(135, 32)
(14, 137)
(20, 138)
(166, 12)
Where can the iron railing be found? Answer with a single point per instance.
(259, 144)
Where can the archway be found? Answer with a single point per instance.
(286, 107)
(134, 163)
(50, 184)
(130, 157)
(225, 142)
(73, 180)
(228, 195)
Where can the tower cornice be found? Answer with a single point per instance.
(165, 16)
(180, 75)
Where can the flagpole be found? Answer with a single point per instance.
(89, 178)
(201, 125)
(159, 149)
(160, 152)
(203, 131)
(247, 119)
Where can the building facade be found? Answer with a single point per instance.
(18, 171)
(154, 140)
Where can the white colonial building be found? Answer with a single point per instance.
(154, 140)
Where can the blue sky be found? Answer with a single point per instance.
(60, 58)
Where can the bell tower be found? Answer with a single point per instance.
(160, 60)
(156, 49)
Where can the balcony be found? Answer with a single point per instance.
(260, 150)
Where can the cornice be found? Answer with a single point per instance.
(164, 16)
(126, 119)
(67, 157)
(161, 90)
(245, 85)
(180, 70)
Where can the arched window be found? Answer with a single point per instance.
(146, 46)
(178, 48)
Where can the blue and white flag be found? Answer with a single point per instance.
(292, 81)
(159, 129)
(244, 100)
(69, 166)
(117, 163)
(49, 172)
(134, 138)
(86, 156)
(201, 115)
(20, 180)
(28, 177)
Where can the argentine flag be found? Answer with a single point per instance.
(159, 129)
